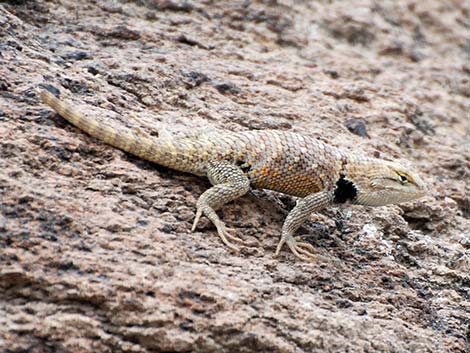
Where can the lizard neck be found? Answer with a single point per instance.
(355, 178)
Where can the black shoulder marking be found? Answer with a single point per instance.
(345, 190)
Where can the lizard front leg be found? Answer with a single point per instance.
(294, 220)
(230, 183)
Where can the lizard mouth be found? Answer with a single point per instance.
(387, 197)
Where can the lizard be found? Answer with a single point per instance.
(315, 172)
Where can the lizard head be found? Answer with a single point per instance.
(378, 182)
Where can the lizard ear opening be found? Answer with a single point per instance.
(345, 190)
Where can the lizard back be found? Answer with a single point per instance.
(281, 161)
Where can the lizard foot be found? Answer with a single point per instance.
(302, 250)
(227, 236)
(225, 233)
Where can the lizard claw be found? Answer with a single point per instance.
(226, 234)
(279, 246)
(196, 219)
(307, 247)
(302, 250)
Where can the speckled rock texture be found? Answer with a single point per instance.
(96, 253)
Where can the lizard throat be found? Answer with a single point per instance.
(345, 190)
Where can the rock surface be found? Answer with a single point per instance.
(95, 249)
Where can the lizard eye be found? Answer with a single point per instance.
(403, 178)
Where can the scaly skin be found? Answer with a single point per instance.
(290, 163)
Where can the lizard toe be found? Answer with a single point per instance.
(230, 234)
(227, 238)
(307, 246)
(301, 250)
(196, 219)
(279, 246)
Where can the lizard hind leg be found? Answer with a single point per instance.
(230, 183)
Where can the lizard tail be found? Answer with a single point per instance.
(122, 138)
(161, 151)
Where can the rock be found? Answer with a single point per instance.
(96, 253)
(357, 126)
